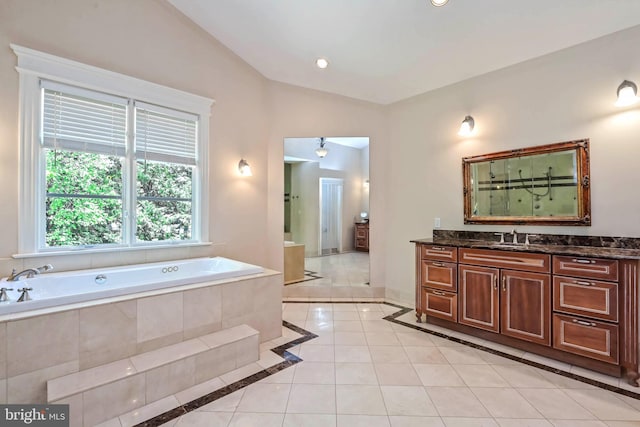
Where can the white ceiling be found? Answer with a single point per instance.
(387, 50)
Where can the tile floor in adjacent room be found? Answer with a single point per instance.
(365, 371)
(346, 269)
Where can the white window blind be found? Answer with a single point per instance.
(165, 135)
(82, 120)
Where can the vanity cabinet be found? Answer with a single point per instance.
(438, 277)
(585, 319)
(580, 310)
(361, 236)
(509, 302)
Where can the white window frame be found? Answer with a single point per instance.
(34, 66)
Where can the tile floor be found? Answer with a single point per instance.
(365, 371)
(346, 269)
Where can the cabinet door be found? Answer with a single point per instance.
(478, 297)
(525, 306)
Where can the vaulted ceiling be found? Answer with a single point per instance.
(388, 50)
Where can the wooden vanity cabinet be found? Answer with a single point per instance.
(580, 310)
(509, 302)
(437, 274)
(586, 314)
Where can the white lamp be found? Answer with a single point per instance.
(244, 168)
(321, 151)
(627, 94)
(466, 128)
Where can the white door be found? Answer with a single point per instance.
(330, 216)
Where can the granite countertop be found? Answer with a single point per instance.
(552, 249)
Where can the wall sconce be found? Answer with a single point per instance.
(244, 168)
(321, 151)
(466, 128)
(365, 184)
(439, 3)
(627, 94)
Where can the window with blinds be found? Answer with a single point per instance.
(107, 184)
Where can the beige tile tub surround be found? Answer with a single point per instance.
(52, 342)
(116, 388)
(40, 342)
(96, 341)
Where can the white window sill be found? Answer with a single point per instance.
(109, 250)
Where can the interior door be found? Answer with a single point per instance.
(330, 216)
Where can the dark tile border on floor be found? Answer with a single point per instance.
(393, 318)
(290, 359)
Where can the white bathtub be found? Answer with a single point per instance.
(54, 289)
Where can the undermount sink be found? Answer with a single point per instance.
(507, 245)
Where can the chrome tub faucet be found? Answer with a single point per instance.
(29, 272)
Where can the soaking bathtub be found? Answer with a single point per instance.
(54, 289)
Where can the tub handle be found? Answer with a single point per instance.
(25, 294)
(3, 294)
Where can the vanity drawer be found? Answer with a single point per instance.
(440, 275)
(596, 340)
(583, 297)
(590, 268)
(524, 261)
(439, 253)
(440, 304)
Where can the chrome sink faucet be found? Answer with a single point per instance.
(515, 236)
(29, 272)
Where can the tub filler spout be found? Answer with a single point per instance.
(29, 272)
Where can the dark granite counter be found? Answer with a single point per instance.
(549, 244)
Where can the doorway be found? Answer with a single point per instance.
(326, 194)
(330, 216)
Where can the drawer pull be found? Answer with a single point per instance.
(583, 322)
(437, 264)
(495, 284)
(442, 294)
(504, 283)
(438, 248)
(583, 261)
(583, 283)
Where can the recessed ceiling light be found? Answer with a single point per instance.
(439, 2)
(322, 63)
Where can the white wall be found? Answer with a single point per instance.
(415, 168)
(151, 40)
(559, 97)
(304, 113)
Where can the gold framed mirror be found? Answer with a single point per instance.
(543, 185)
